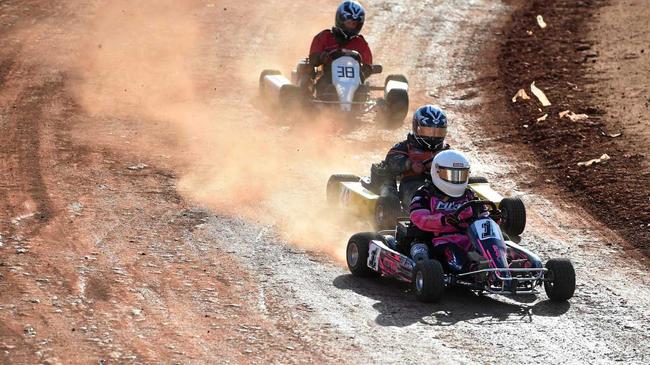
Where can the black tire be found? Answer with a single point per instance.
(428, 281)
(333, 188)
(396, 106)
(262, 75)
(356, 254)
(396, 77)
(387, 211)
(477, 180)
(292, 96)
(562, 280)
(514, 216)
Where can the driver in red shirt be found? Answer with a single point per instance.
(344, 35)
(350, 16)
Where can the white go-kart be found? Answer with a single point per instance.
(340, 85)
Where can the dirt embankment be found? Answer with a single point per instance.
(586, 67)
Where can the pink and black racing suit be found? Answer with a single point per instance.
(430, 208)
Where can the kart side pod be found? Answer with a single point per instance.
(276, 87)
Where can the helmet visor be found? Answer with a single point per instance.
(351, 25)
(453, 175)
(431, 132)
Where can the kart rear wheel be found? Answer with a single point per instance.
(334, 187)
(561, 280)
(396, 105)
(292, 96)
(477, 180)
(356, 254)
(428, 281)
(387, 210)
(264, 74)
(514, 216)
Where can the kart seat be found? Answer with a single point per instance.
(379, 177)
(407, 232)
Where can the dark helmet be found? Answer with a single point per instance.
(350, 16)
(430, 127)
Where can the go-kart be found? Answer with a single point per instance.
(494, 265)
(341, 84)
(366, 197)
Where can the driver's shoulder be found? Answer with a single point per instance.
(469, 194)
(361, 38)
(402, 146)
(324, 33)
(428, 190)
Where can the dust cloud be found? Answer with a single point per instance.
(193, 67)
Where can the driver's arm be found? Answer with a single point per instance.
(317, 49)
(316, 59)
(425, 218)
(397, 158)
(364, 49)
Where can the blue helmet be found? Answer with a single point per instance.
(350, 11)
(430, 126)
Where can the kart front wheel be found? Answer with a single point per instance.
(514, 216)
(292, 96)
(428, 281)
(560, 281)
(356, 254)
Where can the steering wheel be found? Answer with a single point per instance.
(346, 52)
(476, 208)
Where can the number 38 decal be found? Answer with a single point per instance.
(345, 71)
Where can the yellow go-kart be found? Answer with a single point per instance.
(363, 197)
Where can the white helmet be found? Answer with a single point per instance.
(450, 172)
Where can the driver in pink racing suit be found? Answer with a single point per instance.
(432, 207)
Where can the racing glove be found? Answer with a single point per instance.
(450, 219)
(328, 56)
(496, 216)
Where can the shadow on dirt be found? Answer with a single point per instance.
(398, 307)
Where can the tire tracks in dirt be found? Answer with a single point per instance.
(111, 272)
(147, 277)
(20, 149)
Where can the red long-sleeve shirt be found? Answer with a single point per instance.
(325, 41)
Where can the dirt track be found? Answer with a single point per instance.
(100, 262)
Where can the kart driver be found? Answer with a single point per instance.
(350, 16)
(432, 207)
(407, 158)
